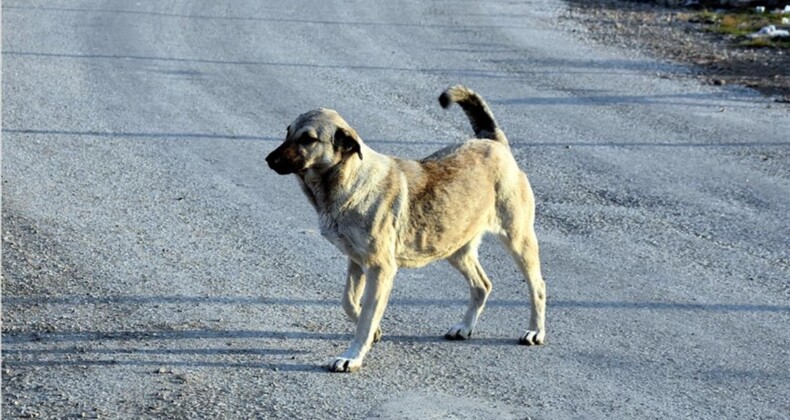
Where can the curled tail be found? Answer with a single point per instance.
(476, 109)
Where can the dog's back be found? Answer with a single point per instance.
(446, 179)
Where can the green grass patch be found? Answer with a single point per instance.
(739, 24)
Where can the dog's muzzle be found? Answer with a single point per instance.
(275, 162)
(281, 164)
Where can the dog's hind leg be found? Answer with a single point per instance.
(465, 260)
(516, 211)
(355, 285)
(519, 236)
(526, 255)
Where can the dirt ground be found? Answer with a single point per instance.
(675, 34)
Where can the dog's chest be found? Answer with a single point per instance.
(340, 235)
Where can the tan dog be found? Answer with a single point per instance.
(385, 213)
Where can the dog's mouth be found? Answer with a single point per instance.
(282, 169)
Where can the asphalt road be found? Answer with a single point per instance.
(153, 266)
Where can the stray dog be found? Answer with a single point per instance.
(384, 213)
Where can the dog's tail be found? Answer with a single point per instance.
(480, 116)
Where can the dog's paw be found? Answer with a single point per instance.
(459, 332)
(342, 364)
(532, 338)
(377, 335)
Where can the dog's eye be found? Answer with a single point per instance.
(305, 140)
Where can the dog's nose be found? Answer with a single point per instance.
(272, 160)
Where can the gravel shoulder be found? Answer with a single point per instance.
(682, 36)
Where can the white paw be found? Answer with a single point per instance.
(532, 338)
(342, 364)
(459, 332)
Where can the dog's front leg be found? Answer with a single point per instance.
(352, 297)
(355, 283)
(378, 285)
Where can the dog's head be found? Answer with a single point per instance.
(317, 140)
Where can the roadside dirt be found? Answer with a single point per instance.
(679, 35)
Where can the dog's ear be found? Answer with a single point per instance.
(346, 139)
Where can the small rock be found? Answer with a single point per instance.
(770, 31)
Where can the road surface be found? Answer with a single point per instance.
(155, 267)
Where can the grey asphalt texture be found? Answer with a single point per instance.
(154, 267)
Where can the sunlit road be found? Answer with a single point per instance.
(153, 266)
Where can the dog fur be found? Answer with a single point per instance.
(384, 213)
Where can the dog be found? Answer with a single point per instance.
(385, 213)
